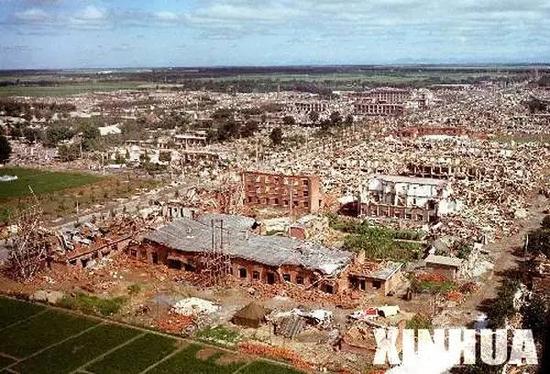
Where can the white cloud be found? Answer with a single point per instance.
(32, 15)
(166, 16)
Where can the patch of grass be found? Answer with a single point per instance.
(5, 361)
(62, 202)
(134, 289)
(219, 334)
(186, 361)
(379, 243)
(136, 356)
(41, 331)
(262, 367)
(419, 322)
(75, 352)
(12, 311)
(41, 181)
(432, 286)
(91, 304)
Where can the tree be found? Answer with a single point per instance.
(165, 156)
(546, 222)
(32, 135)
(249, 128)
(276, 136)
(56, 134)
(313, 116)
(228, 130)
(5, 149)
(534, 316)
(68, 152)
(289, 121)
(325, 124)
(90, 134)
(335, 119)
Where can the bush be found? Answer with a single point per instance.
(134, 289)
(219, 334)
(431, 283)
(534, 317)
(503, 306)
(419, 322)
(90, 304)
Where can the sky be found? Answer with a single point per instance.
(40, 34)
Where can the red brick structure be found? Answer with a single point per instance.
(184, 243)
(297, 193)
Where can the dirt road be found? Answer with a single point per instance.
(508, 254)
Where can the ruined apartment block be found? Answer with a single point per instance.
(378, 109)
(388, 95)
(309, 106)
(297, 193)
(419, 199)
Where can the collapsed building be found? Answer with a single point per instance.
(420, 199)
(184, 243)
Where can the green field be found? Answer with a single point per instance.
(40, 181)
(66, 89)
(40, 340)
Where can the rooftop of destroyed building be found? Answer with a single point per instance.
(194, 236)
(411, 180)
(443, 260)
(382, 271)
(229, 221)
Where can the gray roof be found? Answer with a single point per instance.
(412, 180)
(193, 236)
(389, 269)
(230, 221)
(443, 260)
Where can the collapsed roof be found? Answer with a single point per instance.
(192, 236)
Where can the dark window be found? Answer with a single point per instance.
(270, 278)
(242, 273)
(376, 284)
(300, 279)
(133, 253)
(174, 264)
(286, 277)
(255, 275)
(155, 258)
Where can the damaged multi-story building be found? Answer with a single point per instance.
(297, 193)
(378, 109)
(419, 199)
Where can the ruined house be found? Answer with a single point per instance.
(419, 199)
(253, 258)
(449, 267)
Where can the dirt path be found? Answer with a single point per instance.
(508, 254)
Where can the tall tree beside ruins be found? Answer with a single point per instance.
(28, 251)
(5, 149)
(313, 116)
(276, 136)
(289, 121)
